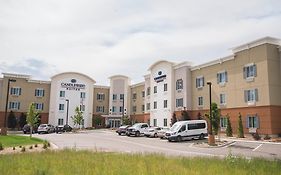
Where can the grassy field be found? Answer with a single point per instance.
(84, 162)
(16, 140)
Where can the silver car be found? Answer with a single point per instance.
(46, 128)
(152, 132)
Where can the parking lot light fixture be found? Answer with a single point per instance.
(67, 107)
(211, 138)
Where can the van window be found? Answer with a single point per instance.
(196, 126)
(183, 128)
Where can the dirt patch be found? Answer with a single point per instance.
(25, 148)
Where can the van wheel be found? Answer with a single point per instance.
(137, 134)
(201, 137)
(179, 139)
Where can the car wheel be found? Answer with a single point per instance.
(155, 135)
(137, 134)
(179, 139)
(119, 133)
(24, 132)
(201, 137)
(169, 140)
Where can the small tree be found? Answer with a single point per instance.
(173, 119)
(78, 117)
(215, 118)
(228, 128)
(240, 127)
(126, 120)
(32, 117)
(12, 121)
(185, 115)
(22, 120)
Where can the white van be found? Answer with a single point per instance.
(189, 129)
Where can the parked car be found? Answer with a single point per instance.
(187, 130)
(152, 132)
(162, 132)
(137, 129)
(26, 129)
(46, 128)
(122, 129)
(63, 128)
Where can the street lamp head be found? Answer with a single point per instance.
(12, 80)
(209, 83)
(67, 100)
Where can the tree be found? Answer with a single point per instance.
(32, 117)
(22, 120)
(215, 118)
(126, 120)
(228, 128)
(173, 119)
(78, 117)
(12, 121)
(185, 115)
(240, 127)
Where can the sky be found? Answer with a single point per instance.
(102, 38)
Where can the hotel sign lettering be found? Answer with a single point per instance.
(73, 85)
(160, 77)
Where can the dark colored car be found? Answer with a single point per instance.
(63, 128)
(122, 129)
(26, 129)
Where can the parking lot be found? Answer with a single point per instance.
(109, 141)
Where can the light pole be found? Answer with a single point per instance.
(211, 138)
(67, 106)
(123, 104)
(4, 129)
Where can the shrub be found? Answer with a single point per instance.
(256, 136)
(267, 137)
(31, 147)
(45, 145)
(35, 145)
(1, 146)
(22, 149)
(14, 148)
(240, 127)
(228, 128)
(20, 146)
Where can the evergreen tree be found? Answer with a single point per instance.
(22, 120)
(228, 128)
(32, 117)
(126, 120)
(240, 127)
(12, 121)
(215, 118)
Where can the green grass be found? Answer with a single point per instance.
(89, 163)
(16, 140)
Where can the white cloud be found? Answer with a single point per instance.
(103, 38)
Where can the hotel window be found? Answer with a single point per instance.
(165, 87)
(100, 109)
(62, 93)
(121, 109)
(252, 121)
(14, 105)
(100, 96)
(222, 99)
(83, 95)
(82, 107)
(179, 84)
(250, 71)
(134, 96)
(39, 92)
(165, 122)
(155, 89)
(143, 94)
(114, 96)
(223, 122)
(199, 82)
(134, 108)
(200, 101)
(148, 106)
(61, 107)
(251, 95)
(39, 106)
(165, 103)
(148, 91)
(142, 108)
(154, 122)
(60, 121)
(179, 102)
(15, 91)
(222, 77)
(155, 105)
(121, 96)
(113, 108)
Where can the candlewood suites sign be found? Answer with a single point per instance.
(160, 77)
(72, 85)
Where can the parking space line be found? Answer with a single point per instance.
(257, 147)
(229, 145)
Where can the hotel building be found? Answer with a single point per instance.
(247, 82)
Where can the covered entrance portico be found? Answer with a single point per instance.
(113, 122)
